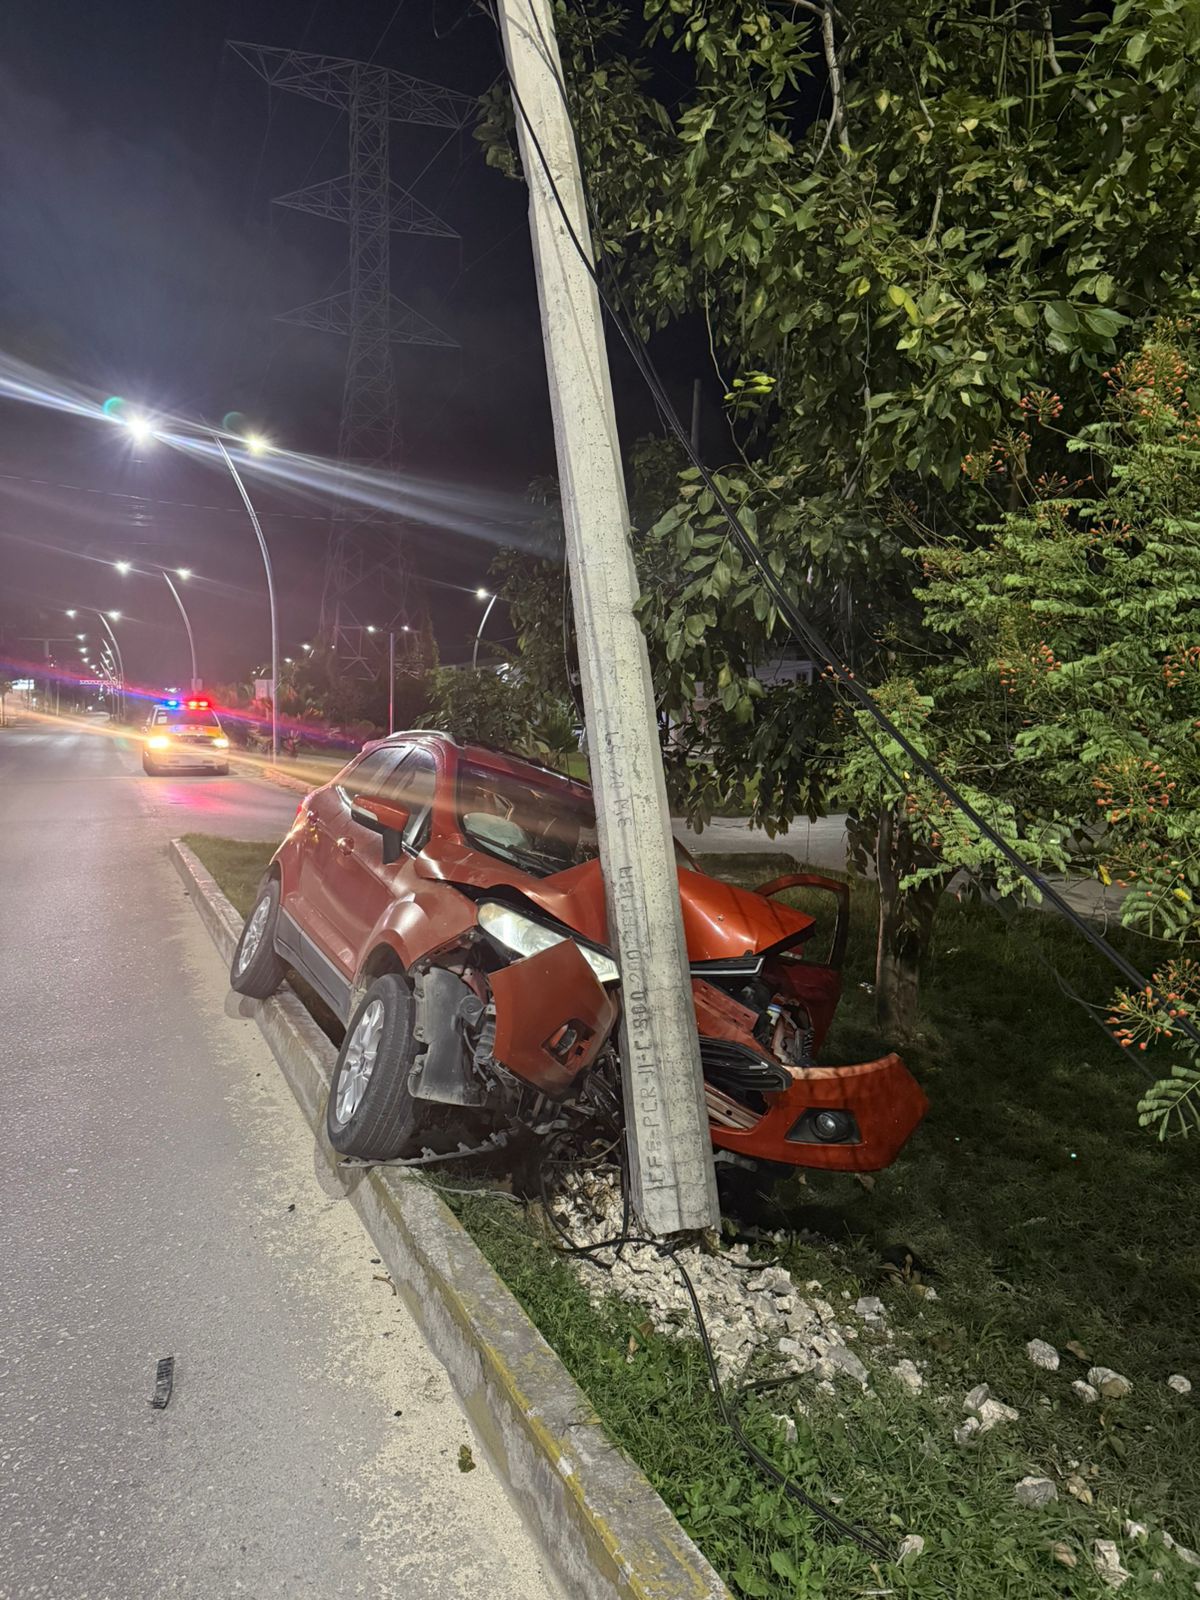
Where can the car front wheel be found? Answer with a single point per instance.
(256, 970)
(370, 1113)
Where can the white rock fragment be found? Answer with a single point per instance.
(975, 1397)
(1034, 1493)
(909, 1375)
(1179, 1383)
(994, 1412)
(1085, 1392)
(1136, 1530)
(1109, 1383)
(968, 1430)
(1189, 1557)
(911, 1545)
(870, 1308)
(787, 1426)
(1042, 1355)
(1106, 1559)
(1064, 1555)
(840, 1360)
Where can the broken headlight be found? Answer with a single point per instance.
(526, 937)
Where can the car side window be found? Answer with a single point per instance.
(370, 775)
(412, 786)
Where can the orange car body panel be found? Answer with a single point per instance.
(553, 1018)
(883, 1096)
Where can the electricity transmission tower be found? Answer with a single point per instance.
(365, 577)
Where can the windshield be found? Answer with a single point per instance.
(539, 825)
(190, 717)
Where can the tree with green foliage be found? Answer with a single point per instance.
(891, 221)
(1067, 704)
(502, 708)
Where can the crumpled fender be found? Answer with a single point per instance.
(553, 1018)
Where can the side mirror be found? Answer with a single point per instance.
(386, 820)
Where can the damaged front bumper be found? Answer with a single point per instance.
(837, 1119)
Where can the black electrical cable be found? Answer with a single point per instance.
(867, 1538)
(803, 629)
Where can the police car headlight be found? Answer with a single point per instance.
(220, 744)
(159, 741)
(526, 937)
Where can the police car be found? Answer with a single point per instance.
(184, 736)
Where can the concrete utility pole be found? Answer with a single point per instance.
(671, 1155)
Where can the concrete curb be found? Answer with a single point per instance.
(603, 1528)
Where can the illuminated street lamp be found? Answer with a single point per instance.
(391, 633)
(180, 572)
(482, 594)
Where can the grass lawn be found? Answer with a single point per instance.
(1044, 1212)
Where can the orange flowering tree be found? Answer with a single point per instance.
(1068, 702)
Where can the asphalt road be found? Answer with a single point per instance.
(158, 1197)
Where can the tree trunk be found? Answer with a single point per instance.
(905, 927)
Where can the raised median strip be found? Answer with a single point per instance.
(603, 1528)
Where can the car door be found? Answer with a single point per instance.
(329, 876)
(361, 888)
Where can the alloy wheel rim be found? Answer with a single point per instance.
(361, 1054)
(252, 937)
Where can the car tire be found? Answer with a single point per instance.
(256, 969)
(222, 772)
(148, 767)
(370, 1112)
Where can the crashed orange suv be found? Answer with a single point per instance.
(446, 901)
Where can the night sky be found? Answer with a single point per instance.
(139, 255)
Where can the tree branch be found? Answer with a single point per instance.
(1055, 65)
(833, 66)
(937, 211)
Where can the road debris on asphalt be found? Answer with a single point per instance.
(164, 1383)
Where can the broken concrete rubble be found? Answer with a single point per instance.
(1035, 1493)
(1108, 1383)
(1042, 1355)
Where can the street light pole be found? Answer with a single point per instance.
(182, 572)
(104, 623)
(391, 680)
(487, 611)
(266, 555)
(187, 624)
(671, 1160)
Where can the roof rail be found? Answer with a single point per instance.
(431, 733)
